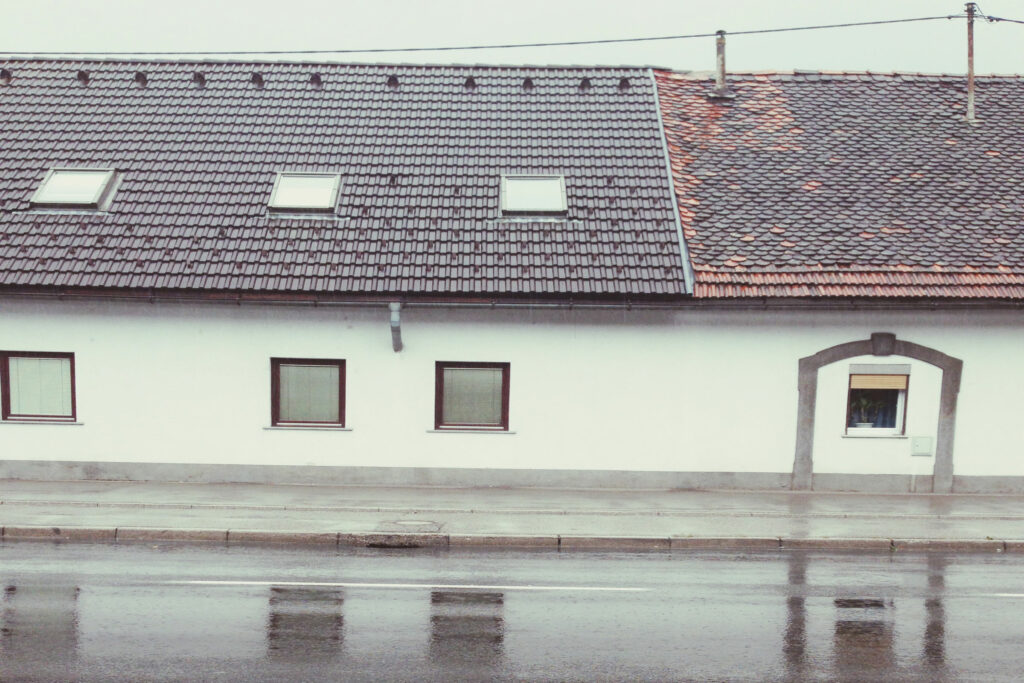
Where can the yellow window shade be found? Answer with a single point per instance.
(878, 381)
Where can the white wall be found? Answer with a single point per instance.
(680, 391)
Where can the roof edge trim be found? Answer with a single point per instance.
(677, 303)
(684, 252)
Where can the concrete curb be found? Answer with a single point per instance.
(582, 512)
(723, 543)
(550, 542)
(131, 534)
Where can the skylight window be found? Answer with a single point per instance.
(75, 188)
(533, 194)
(305, 192)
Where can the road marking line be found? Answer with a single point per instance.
(1006, 595)
(350, 584)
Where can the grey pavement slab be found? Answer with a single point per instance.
(577, 519)
(602, 501)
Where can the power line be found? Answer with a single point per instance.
(1012, 21)
(506, 46)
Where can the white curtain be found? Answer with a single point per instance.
(309, 393)
(40, 386)
(472, 396)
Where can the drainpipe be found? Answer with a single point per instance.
(396, 325)
(721, 91)
(970, 62)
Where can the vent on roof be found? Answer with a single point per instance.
(393, 180)
(141, 80)
(393, 82)
(5, 77)
(83, 77)
(470, 83)
(257, 80)
(199, 80)
(623, 84)
(527, 83)
(316, 81)
(585, 84)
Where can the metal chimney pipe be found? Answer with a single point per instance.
(970, 62)
(720, 61)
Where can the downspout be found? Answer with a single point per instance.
(396, 325)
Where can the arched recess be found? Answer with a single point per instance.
(880, 344)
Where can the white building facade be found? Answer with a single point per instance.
(674, 397)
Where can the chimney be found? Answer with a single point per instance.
(721, 91)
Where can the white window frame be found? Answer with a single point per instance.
(506, 209)
(287, 208)
(99, 201)
(901, 399)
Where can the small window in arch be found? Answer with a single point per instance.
(877, 399)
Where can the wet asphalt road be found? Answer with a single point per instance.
(177, 612)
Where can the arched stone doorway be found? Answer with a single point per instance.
(880, 344)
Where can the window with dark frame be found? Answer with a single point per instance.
(307, 392)
(471, 396)
(36, 386)
(877, 402)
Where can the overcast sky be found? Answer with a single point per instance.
(30, 26)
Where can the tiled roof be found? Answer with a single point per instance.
(420, 151)
(837, 185)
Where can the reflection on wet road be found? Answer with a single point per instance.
(79, 612)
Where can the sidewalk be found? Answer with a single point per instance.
(475, 517)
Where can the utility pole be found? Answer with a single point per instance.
(971, 7)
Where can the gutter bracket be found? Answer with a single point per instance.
(396, 325)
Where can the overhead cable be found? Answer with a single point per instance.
(493, 47)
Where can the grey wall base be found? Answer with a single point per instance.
(441, 476)
(387, 476)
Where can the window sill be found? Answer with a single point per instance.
(42, 422)
(460, 430)
(314, 428)
(875, 436)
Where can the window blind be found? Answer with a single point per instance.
(878, 382)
